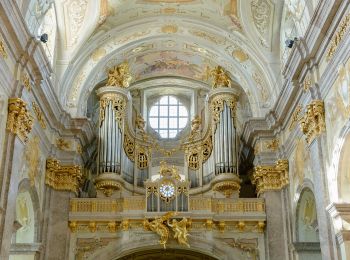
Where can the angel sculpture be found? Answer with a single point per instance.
(180, 230)
(220, 77)
(160, 228)
(119, 76)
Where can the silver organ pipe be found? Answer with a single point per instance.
(225, 142)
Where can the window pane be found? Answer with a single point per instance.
(153, 122)
(153, 111)
(182, 122)
(172, 133)
(182, 111)
(172, 100)
(163, 123)
(164, 100)
(173, 111)
(172, 122)
(163, 133)
(163, 111)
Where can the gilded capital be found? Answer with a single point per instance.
(313, 122)
(19, 120)
(65, 178)
(271, 177)
(119, 76)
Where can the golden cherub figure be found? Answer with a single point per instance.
(220, 77)
(119, 76)
(180, 230)
(160, 228)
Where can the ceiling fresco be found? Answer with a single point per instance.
(168, 38)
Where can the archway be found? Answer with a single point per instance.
(170, 254)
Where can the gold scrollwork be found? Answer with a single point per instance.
(198, 153)
(217, 105)
(271, 177)
(313, 122)
(61, 177)
(19, 120)
(142, 156)
(119, 105)
(39, 115)
(119, 76)
(129, 146)
(338, 37)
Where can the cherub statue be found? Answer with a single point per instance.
(220, 77)
(180, 230)
(119, 76)
(160, 228)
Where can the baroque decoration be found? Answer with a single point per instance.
(220, 78)
(313, 122)
(62, 177)
(3, 52)
(270, 177)
(162, 226)
(338, 37)
(19, 120)
(39, 115)
(119, 76)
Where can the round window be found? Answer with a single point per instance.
(168, 116)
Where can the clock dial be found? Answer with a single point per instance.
(167, 190)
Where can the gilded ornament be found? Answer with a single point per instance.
(107, 186)
(241, 226)
(273, 145)
(217, 105)
(338, 37)
(73, 226)
(118, 102)
(26, 82)
(62, 144)
(112, 226)
(92, 226)
(313, 122)
(307, 82)
(39, 115)
(65, 178)
(227, 188)
(119, 76)
(19, 120)
(271, 177)
(261, 11)
(79, 149)
(221, 226)
(198, 153)
(3, 52)
(171, 28)
(142, 156)
(261, 226)
(162, 224)
(296, 117)
(129, 147)
(209, 224)
(220, 78)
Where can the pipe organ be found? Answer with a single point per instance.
(124, 153)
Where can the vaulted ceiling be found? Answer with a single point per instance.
(168, 38)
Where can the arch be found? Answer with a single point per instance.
(137, 243)
(306, 217)
(23, 188)
(342, 164)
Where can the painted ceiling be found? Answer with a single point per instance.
(179, 39)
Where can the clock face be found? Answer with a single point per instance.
(167, 190)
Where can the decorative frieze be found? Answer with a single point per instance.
(65, 178)
(270, 177)
(338, 37)
(19, 120)
(313, 122)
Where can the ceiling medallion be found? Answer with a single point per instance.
(240, 55)
(170, 28)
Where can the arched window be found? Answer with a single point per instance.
(168, 116)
